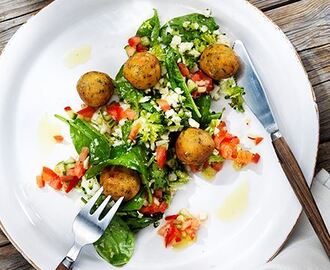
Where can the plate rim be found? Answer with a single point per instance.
(299, 62)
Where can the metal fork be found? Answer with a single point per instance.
(88, 227)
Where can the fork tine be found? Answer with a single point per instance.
(88, 206)
(100, 209)
(104, 222)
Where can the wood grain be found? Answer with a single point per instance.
(305, 22)
(302, 191)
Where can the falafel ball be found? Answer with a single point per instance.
(119, 181)
(142, 70)
(219, 61)
(95, 88)
(194, 146)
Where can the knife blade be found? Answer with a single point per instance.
(256, 99)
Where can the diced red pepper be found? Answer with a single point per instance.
(48, 175)
(72, 184)
(134, 41)
(116, 111)
(255, 158)
(161, 156)
(141, 48)
(134, 131)
(184, 70)
(163, 104)
(87, 112)
(58, 138)
(171, 234)
(40, 182)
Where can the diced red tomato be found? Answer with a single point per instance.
(163, 104)
(257, 140)
(58, 138)
(79, 170)
(184, 70)
(48, 174)
(207, 81)
(141, 48)
(172, 217)
(154, 208)
(134, 131)
(72, 184)
(87, 112)
(134, 41)
(56, 184)
(243, 158)
(116, 111)
(161, 156)
(67, 178)
(40, 182)
(67, 108)
(255, 158)
(228, 150)
(217, 166)
(196, 94)
(129, 114)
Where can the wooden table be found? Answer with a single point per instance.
(305, 22)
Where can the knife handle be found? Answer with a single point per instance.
(301, 189)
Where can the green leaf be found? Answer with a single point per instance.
(159, 175)
(116, 245)
(85, 135)
(126, 91)
(136, 223)
(150, 28)
(234, 93)
(187, 34)
(204, 105)
(177, 80)
(134, 204)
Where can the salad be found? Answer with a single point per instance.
(142, 134)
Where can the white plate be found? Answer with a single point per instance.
(34, 81)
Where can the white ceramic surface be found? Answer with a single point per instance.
(35, 82)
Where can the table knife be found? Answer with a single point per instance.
(256, 99)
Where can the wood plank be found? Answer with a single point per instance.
(317, 63)
(11, 259)
(322, 93)
(323, 160)
(3, 239)
(14, 8)
(306, 23)
(270, 4)
(9, 27)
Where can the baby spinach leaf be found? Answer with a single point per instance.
(85, 135)
(116, 245)
(150, 28)
(186, 34)
(126, 91)
(177, 80)
(135, 223)
(134, 204)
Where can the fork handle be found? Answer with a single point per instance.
(300, 187)
(66, 264)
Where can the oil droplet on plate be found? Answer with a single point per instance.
(78, 56)
(47, 129)
(184, 243)
(236, 203)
